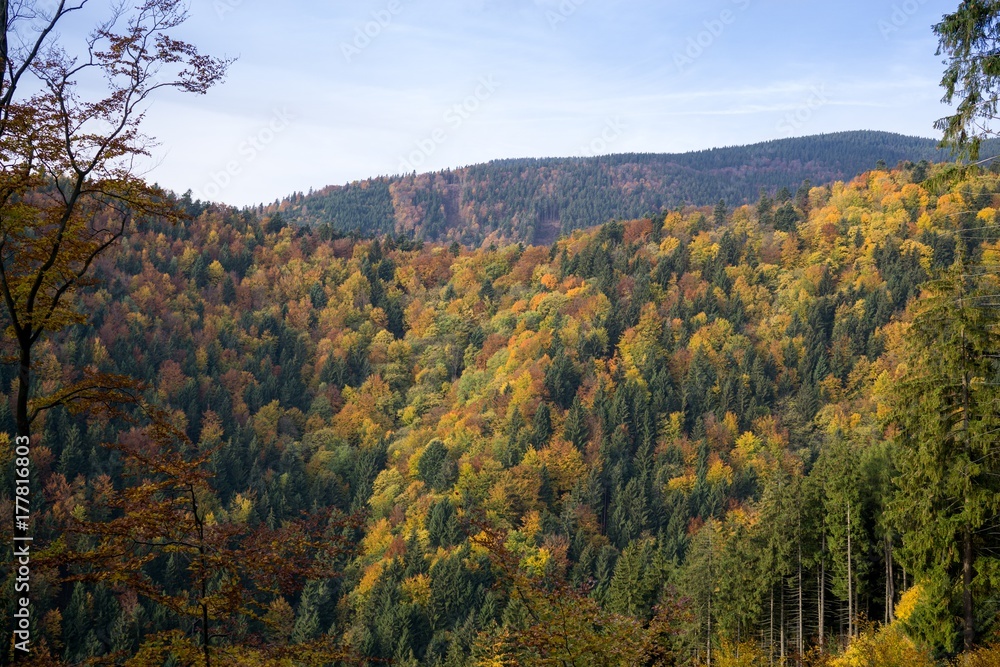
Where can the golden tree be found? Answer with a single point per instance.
(70, 185)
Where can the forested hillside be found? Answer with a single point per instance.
(670, 440)
(534, 201)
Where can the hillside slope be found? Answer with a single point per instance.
(683, 410)
(537, 200)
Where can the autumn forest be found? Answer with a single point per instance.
(687, 420)
(754, 430)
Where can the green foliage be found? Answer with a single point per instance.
(967, 37)
(672, 412)
(534, 201)
(442, 525)
(947, 407)
(434, 467)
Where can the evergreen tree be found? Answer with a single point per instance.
(967, 37)
(442, 525)
(431, 463)
(308, 624)
(73, 460)
(947, 408)
(575, 429)
(562, 380)
(637, 580)
(720, 214)
(541, 426)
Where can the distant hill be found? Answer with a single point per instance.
(536, 200)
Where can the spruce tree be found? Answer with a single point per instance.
(947, 412)
(541, 426)
(575, 429)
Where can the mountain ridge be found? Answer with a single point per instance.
(535, 200)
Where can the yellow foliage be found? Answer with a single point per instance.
(748, 446)
(731, 422)
(216, 272)
(211, 431)
(565, 464)
(369, 579)
(532, 524)
(240, 509)
(683, 483)
(669, 245)
(703, 250)
(886, 647)
(265, 422)
(279, 619)
(908, 602)
(417, 589)
(377, 539)
(744, 654)
(535, 563)
(388, 485)
(988, 656)
(719, 472)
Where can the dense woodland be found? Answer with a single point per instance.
(704, 437)
(535, 201)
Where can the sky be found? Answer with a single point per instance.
(326, 92)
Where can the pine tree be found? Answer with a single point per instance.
(562, 380)
(541, 426)
(701, 569)
(967, 37)
(947, 410)
(518, 439)
(637, 580)
(431, 461)
(442, 525)
(308, 622)
(720, 214)
(575, 428)
(73, 461)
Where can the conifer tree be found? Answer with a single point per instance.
(968, 37)
(575, 429)
(947, 412)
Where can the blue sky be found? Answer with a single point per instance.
(314, 101)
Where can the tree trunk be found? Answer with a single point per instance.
(24, 426)
(4, 43)
(799, 639)
(890, 584)
(711, 586)
(850, 579)
(821, 623)
(23, 389)
(770, 638)
(782, 630)
(708, 641)
(969, 631)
